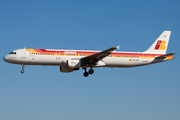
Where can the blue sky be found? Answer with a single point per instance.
(43, 93)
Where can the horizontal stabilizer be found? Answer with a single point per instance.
(164, 56)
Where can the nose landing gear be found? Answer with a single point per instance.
(91, 71)
(22, 71)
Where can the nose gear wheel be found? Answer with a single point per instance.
(22, 71)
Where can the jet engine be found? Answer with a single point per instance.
(66, 69)
(73, 63)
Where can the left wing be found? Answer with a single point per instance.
(92, 59)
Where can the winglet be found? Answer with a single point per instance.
(118, 47)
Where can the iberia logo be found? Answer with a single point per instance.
(160, 45)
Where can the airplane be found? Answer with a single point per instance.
(71, 60)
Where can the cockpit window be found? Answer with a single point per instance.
(12, 53)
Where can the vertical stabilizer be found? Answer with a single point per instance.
(161, 44)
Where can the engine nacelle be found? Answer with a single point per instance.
(73, 63)
(66, 69)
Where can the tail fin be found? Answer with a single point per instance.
(161, 44)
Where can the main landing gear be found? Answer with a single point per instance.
(22, 71)
(91, 71)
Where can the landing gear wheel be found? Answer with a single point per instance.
(91, 71)
(22, 71)
(86, 74)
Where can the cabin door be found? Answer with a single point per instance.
(57, 54)
(23, 53)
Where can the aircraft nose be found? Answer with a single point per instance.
(5, 58)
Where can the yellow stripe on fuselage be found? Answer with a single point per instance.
(32, 50)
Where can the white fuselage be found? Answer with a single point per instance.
(25, 57)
